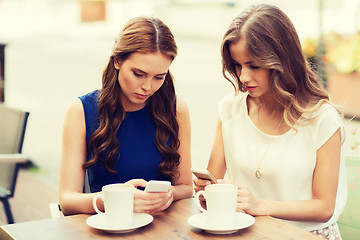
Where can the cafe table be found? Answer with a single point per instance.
(169, 224)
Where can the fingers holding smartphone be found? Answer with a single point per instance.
(202, 178)
(200, 184)
(156, 196)
(203, 174)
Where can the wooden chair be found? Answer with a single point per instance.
(12, 131)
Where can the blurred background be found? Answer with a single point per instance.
(55, 51)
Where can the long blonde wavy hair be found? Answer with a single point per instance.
(272, 43)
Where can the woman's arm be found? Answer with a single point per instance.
(72, 174)
(216, 165)
(325, 181)
(182, 187)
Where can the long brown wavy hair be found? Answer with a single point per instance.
(272, 42)
(140, 35)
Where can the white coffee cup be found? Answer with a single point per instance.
(119, 204)
(220, 203)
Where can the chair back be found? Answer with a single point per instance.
(12, 130)
(349, 221)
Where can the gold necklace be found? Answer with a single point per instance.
(258, 165)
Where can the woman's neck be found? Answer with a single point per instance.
(267, 103)
(267, 115)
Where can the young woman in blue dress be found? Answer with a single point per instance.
(134, 129)
(278, 137)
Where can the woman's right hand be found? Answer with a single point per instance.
(200, 184)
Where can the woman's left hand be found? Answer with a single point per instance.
(150, 202)
(166, 203)
(246, 201)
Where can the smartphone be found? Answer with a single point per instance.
(157, 186)
(203, 174)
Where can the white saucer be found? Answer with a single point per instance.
(98, 221)
(243, 220)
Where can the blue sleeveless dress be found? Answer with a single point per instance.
(139, 156)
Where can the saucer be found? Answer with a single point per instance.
(243, 220)
(98, 221)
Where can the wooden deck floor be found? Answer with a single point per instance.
(31, 199)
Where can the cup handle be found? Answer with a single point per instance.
(95, 205)
(198, 200)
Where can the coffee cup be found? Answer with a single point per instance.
(220, 205)
(118, 203)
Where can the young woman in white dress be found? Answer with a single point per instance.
(278, 136)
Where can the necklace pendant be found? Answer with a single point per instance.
(258, 173)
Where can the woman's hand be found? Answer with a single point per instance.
(200, 184)
(246, 201)
(147, 201)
